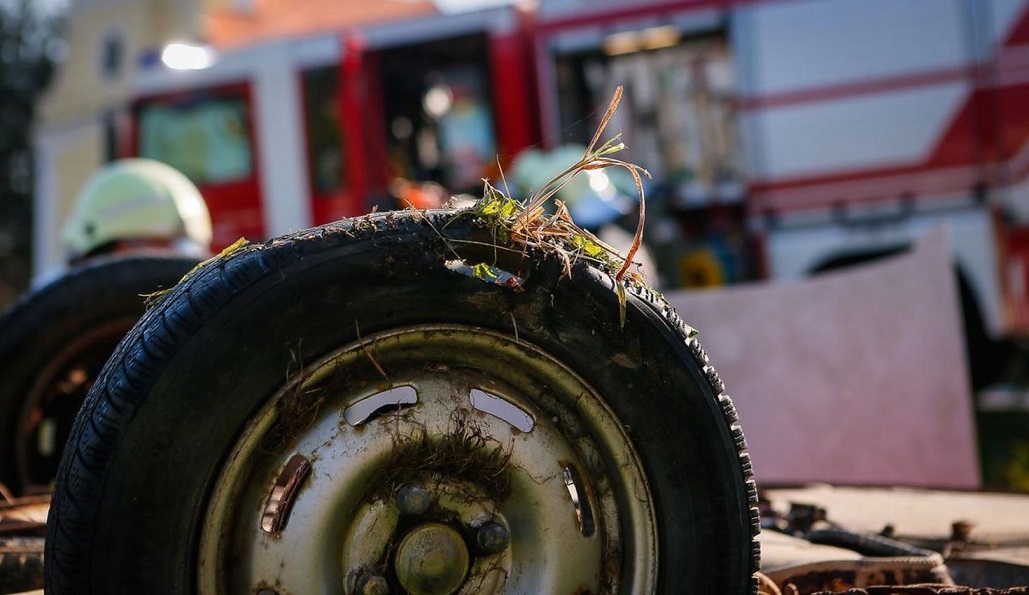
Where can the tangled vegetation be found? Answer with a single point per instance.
(528, 225)
(464, 454)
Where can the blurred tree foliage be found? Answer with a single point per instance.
(30, 45)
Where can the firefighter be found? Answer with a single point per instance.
(133, 205)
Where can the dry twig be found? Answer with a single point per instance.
(528, 225)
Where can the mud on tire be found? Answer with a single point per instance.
(220, 451)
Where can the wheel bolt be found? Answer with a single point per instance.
(413, 499)
(492, 538)
(373, 585)
(362, 582)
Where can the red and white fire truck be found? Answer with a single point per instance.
(295, 132)
(785, 137)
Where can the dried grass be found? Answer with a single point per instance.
(527, 225)
(464, 454)
(531, 227)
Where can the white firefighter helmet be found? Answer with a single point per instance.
(137, 199)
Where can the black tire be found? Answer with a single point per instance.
(53, 343)
(220, 360)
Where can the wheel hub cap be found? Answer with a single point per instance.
(432, 560)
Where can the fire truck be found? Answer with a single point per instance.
(786, 138)
(296, 132)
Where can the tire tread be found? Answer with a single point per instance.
(180, 313)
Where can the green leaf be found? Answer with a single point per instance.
(587, 245)
(491, 207)
(510, 208)
(621, 304)
(501, 206)
(485, 272)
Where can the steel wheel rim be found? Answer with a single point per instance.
(66, 379)
(337, 520)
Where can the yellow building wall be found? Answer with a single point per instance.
(75, 156)
(81, 87)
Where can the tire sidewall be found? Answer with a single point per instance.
(203, 379)
(41, 325)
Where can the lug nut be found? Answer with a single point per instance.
(492, 538)
(373, 585)
(363, 582)
(413, 499)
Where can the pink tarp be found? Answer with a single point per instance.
(854, 377)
